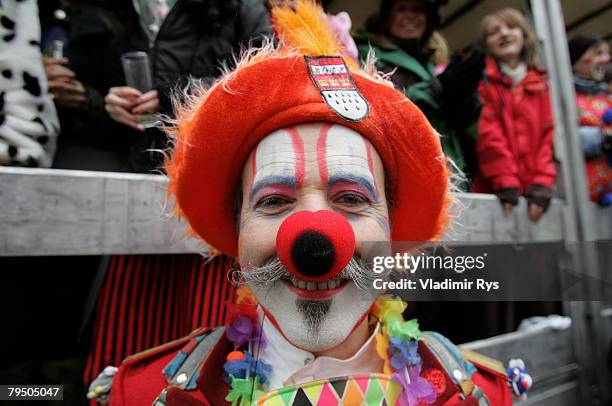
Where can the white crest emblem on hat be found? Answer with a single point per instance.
(335, 83)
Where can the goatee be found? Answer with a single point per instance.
(314, 313)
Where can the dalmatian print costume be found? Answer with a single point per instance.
(28, 121)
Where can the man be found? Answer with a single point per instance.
(291, 163)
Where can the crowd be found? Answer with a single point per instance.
(491, 106)
(65, 103)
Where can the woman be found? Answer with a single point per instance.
(589, 56)
(406, 44)
(515, 145)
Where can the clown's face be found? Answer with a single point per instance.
(311, 167)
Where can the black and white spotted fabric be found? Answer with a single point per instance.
(28, 120)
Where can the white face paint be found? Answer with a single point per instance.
(348, 157)
(312, 167)
(276, 160)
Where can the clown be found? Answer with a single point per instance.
(291, 163)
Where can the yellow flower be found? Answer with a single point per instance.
(387, 305)
(382, 348)
(244, 295)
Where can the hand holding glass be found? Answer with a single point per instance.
(138, 76)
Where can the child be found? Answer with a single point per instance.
(515, 146)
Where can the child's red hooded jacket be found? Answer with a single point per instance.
(515, 145)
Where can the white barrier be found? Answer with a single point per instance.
(61, 212)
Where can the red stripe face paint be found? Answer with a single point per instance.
(322, 152)
(347, 158)
(298, 150)
(253, 169)
(371, 164)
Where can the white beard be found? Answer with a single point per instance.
(311, 333)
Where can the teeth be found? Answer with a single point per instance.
(331, 284)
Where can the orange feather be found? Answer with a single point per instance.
(305, 28)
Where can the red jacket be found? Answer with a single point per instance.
(515, 145)
(140, 379)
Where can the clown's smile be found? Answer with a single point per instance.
(317, 290)
(311, 195)
(314, 320)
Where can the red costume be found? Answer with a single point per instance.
(515, 145)
(140, 380)
(591, 109)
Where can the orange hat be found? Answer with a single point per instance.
(272, 88)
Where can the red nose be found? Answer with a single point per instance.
(315, 246)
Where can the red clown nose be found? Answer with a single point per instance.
(315, 246)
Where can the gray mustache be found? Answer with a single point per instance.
(357, 270)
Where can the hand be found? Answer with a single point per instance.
(591, 139)
(147, 103)
(507, 208)
(508, 198)
(456, 90)
(119, 103)
(538, 200)
(55, 69)
(67, 91)
(534, 212)
(462, 75)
